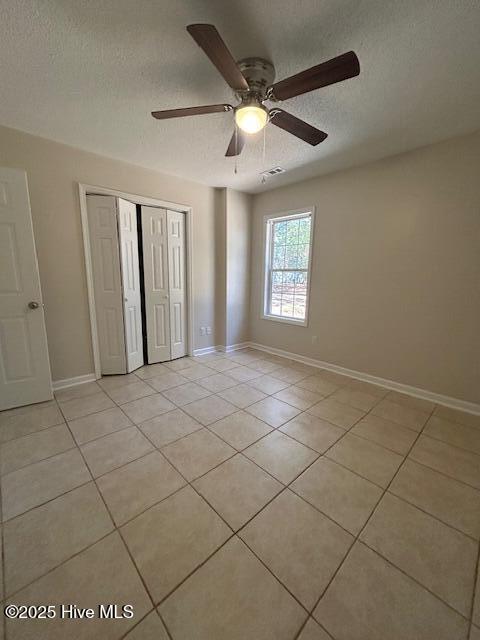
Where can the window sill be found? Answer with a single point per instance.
(298, 323)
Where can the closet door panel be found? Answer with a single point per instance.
(177, 283)
(102, 223)
(127, 215)
(155, 268)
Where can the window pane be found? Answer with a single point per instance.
(299, 307)
(302, 253)
(287, 306)
(304, 231)
(279, 232)
(292, 232)
(292, 257)
(288, 294)
(300, 300)
(276, 293)
(278, 257)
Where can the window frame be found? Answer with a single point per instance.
(267, 263)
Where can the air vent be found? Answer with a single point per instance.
(273, 172)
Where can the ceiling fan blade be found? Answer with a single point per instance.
(191, 111)
(297, 127)
(334, 70)
(236, 144)
(208, 39)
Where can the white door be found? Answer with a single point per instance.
(155, 271)
(107, 282)
(127, 216)
(177, 283)
(24, 365)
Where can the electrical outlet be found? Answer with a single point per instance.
(314, 339)
(202, 331)
(209, 331)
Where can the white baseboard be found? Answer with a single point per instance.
(447, 401)
(71, 382)
(206, 350)
(221, 348)
(234, 347)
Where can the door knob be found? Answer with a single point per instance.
(33, 305)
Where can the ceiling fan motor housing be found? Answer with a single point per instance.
(259, 74)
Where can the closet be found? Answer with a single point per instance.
(138, 265)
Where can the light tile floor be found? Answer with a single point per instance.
(242, 497)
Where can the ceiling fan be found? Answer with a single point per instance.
(251, 79)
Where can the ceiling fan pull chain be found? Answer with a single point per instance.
(263, 154)
(235, 169)
(264, 143)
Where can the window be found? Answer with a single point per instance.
(287, 267)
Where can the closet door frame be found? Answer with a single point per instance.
(89, 189)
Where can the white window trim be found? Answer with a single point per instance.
(267, 262)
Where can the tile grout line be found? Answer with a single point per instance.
(137, 624)
(117, 529)
(234, 532)
(241, 453)
(189, 484)
(206, 426)
(284, 488)
(73, 555)
(41, 504)
(29, 464)
(279, 428)
(357, 539)
(442, 473)
(416, 581)
(450, 444)
(178, 407)
(476, 582)
(341, 437)
(31, 433)
(2, 551)
(446, 524)
(331, 519)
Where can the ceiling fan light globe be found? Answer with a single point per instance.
(251, 118)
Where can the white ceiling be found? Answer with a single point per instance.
(88, 73)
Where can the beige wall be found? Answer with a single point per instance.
(232, 266)
(396, 268)
(220, 266)
(53, 173)
(238, 222)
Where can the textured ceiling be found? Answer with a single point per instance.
(88, 73)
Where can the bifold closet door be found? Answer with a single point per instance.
(107, 282)
(155, 274)
(163, 234)
(132, 299)
(112, 226)
(177, 283)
